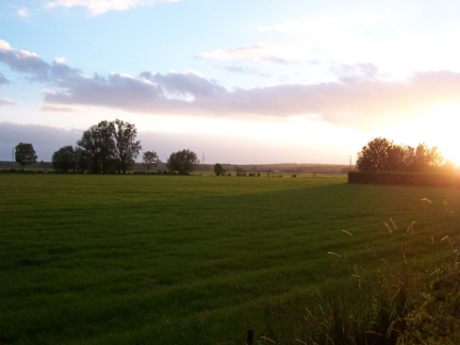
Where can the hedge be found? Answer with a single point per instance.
(431, 179)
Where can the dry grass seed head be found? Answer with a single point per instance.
(394, 224)
(388, 227)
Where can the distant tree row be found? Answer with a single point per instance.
(381, 154)
(110, 147)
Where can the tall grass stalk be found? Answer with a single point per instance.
(404, 301)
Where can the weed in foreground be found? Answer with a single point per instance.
(404, 301)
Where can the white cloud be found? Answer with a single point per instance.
(359, 98)
(24, 12)
(328, 24)
(6, 101)
(264, 28)
(5, 46)
(282, 52)
(97, 7)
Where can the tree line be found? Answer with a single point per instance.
(107, 147)
(381, 154)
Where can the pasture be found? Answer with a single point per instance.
(185, 259)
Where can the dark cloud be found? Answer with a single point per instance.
(24, 61)
(45, 139)
(217, 148)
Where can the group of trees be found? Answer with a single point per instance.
(105, 147)
(381, 154)
(113, 147)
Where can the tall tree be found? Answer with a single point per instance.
(381, 154)
(182, 161)
(82, 159)
(99, 145)
(150, 158)
(64, 159)
(126, 148)
(374, 156)
(25, 154)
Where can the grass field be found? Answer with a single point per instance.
(184, 259)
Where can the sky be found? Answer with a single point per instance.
(242, 82)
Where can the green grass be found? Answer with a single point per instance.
(184, 259)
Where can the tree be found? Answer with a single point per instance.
(126, 147)
(64, 159)
(25, 154)
(150, 158)
(99, 145)
(425, 158)
(219, 169)
(182, 161)
(374, 156)
(381, 154)
(82, 159)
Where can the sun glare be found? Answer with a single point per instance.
(438, 127)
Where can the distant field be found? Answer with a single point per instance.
(183, 259)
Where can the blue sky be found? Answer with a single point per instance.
(261, 81)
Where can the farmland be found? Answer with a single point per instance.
(184, 259)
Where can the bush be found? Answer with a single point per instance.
(403, 178)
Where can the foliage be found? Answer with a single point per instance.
(433, 179)
(25, 154)
(380, 154)
(150, 159)
(99, 145)
(183, 161)
(64, 160)
(126, 147)
(219, 170)
(82, 159)
(240, 172)
(110, 146)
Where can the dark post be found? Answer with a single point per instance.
(250, 340)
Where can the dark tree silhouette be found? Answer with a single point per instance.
(183, 161)
(25, 154)
(150, 159)
(99, 145)
(64, 159)
(219, 169)
(126, 147)
(381, 154)
(374, 156)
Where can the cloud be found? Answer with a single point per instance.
(45, 139)
(351, 72)
(282, 52)
(237, 149)
(359, 98)
(97, 7)
(6, 101)
(24, 12)
(24, 61)
(328, 24)
(245, 70)
(3, 80)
